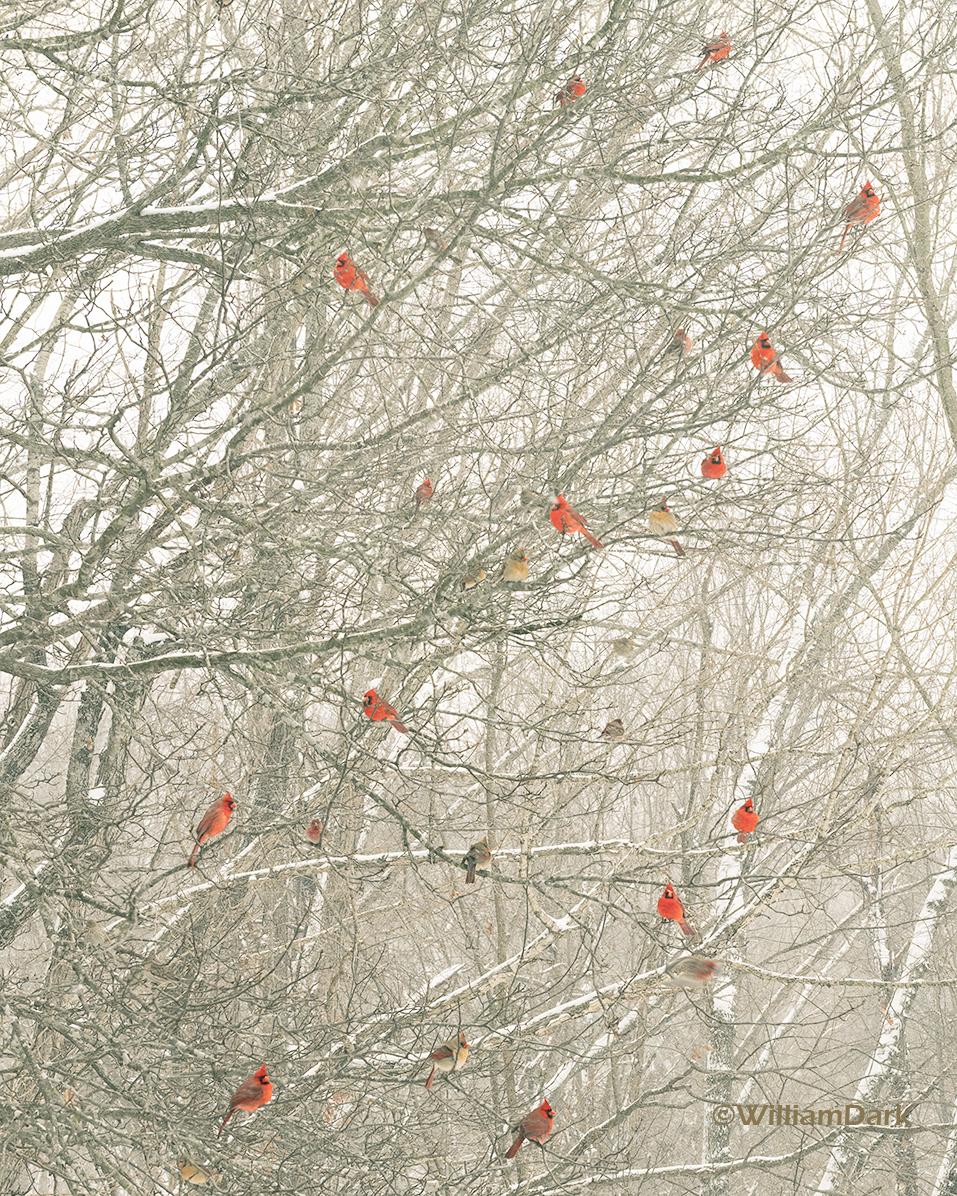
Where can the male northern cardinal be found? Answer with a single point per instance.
(314, 830)
(423, 493)
(861, 210)
(671, 908)
(477, 856)
(691, 972)
(662, 523)
(715, 50)
(515, 567)
(349, 276)
(212, 823)
(450, 1056)
(535, 1126)
(764, 359)
(744, 820)
(574, 88)
(251, 1095)
(713, 465)
(434, 242)
(679, 343)
(567, 519)
(614, 730)
(380, 711)
(473, 578)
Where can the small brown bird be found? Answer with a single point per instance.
(450, 1056)
(434, 242)
(531, 499)
(662, 523)
(691, 972)
(477, 856)
(473, 578)
(515, 567)
(624, 646)
(193, 1173)
(423, 493)
(314, 830)
(680, 342)
(614, 730)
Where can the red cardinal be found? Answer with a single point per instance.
(477, 856)
(716, 50)
(349, 276)
(535, 1126)
(423, 493)
(744, 820)
(691, 972)
(450, 1056)
(764, 359)
(380, 711)
(251, 1095)
(212, 823)
(314, 830)
(680, 342)
(662, 523)
(671, 908)
(567, 519)
(862, 210)
(713, 465)
(574, 88)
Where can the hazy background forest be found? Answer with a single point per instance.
(210, 552)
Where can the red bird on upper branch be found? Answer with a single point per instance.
(714, 51)
(567, 519)
(423, 493)
(861, 210)
(212, 823)
(765, 359)
(380, 711)
(573, 89)
(251, 1095)
(671, 908)
(744, 820)
(535, 1126)
(713, 465)
(351, 278)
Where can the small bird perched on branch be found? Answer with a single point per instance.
(566, 519)
(515, 567)
(862, 209)
(662, 523)
(450, 1056)
(744, 820)
(691, 972)
(380, 711)
(614, 730)
(573, 89)
(713, 465)
(477, 856)
(534, 1126)
(212, 823)
(765, 359)
(670, 908)
(251, 1095)
(715, 51)
(351, 278)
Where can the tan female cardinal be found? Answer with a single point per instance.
(450, 1056)
(535, 1126)
(212, 823)
(713, 465)
(662, 523)
(765, 359)
(566, 519)
(477, 856)
(862, 209)
(691, 972)
(670, 907)
(614, 730)
(351, 278)
(251, 1095)
(515, 567)
(745, 820)
(380, 711)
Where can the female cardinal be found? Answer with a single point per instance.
(574, 88)
(567, 519)
(861, 210)
(744, 820)
(535, 1126)
(765, 360)
(473, 578)
(713, 465)
(351, 278)
(423, 493)
(515, 567)
(614, 730)
(662, 523)
(450, 1056)
(314, 830)
(714, 51)
(679, 343)
(477, 856)
(212, 823)
(671, 908)
(691, 972)
(434, 242)
(380, 711)
(251, 1095)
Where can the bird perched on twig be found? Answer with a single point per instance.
(449, 1056)
(662, 523)
(477, 856)
(614, 730)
